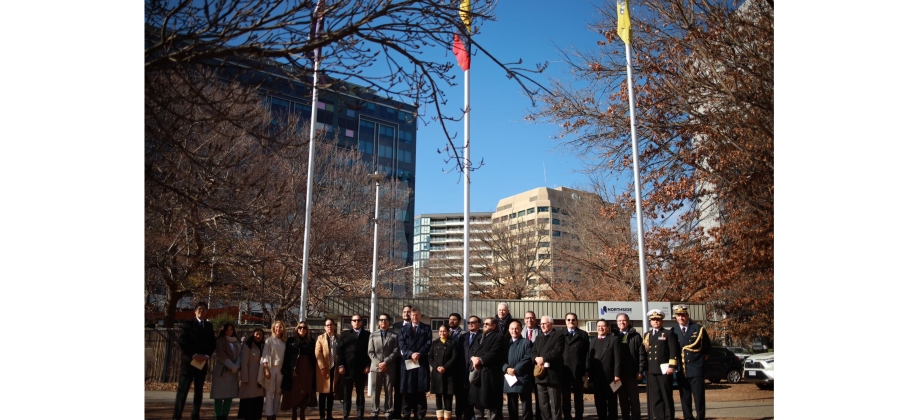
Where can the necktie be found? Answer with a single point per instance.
(600, 338)
(383, 335)
(683, 330)
(530, 335)
(472, 336)
(413, 329)
(654, 332)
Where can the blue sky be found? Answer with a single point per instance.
(514, 151)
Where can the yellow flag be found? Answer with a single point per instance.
(465, 15)
(623, 25)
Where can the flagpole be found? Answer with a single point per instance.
(315, 29)
(466, 193)
(309, 206)
(643, 281)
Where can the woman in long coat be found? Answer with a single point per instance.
(520, 365)
(327, 376)
(272, 360)
(252, 396)
(298, 390)
(225, 379)
(441, 357)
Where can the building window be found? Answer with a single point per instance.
(555, 209)
(366, 147)
(556, 221)
(557, 233)
(530, 210)
(512, 215)
(543, 209)
(437, 323)
(544, 244)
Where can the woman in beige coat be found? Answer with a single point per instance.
(327, 376)
(252, 396)
(225, 378)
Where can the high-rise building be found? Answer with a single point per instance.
(438, 252)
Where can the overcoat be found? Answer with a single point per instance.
(632, 357)
(250, 371)
(225, 383)
(462, 370)
(303, 384)
(601, 360)
(415, 380)
(488, 393)
(575, 354)
(519, 358)
(195, 338)
(550, 347)
(442, 354)
(694, 347)
(352, 353)
(324, 362)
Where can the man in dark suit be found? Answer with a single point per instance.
(383, 349)
(600, 368)
(414, 343)
(531, 332)
(547, 352)
(695, 347)
(459, 366)
(197, 341)
(663, 349)
(488, 358)
(354, 364)
(630, 363)
(574, 356)
(397, 329)
(462, 380)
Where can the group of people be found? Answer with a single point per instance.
(539, 369)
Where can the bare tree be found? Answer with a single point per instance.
(377, 44)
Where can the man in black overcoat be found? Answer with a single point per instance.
(397, 329)
(414, 343)
(465, 352)
(197, 342)
(354, 364)
(547, 352)
(663, 349)
(488, 357)
(458, 369)
(695, 347)
(600, 368)
(574, 356)
(631, 361)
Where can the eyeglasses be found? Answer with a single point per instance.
(474, 322)
(487, 323)
(329, 325)
(529, 317)
(546, 323)
(382, 320)
(301, 327)
(356, 320)
(571, 320)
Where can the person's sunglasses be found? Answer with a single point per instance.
(301, 327)
(356, 320)
(382, 320)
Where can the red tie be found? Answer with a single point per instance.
(413, 330)
(530, 335)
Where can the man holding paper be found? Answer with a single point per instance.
(197, 342)
(663, 361)
(600, 366)
(414, 345)
(518, 373)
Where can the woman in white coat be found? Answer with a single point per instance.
(272, 361)
(252, 396)
(225, 378)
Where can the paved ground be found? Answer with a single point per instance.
(723, 402)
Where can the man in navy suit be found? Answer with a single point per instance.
(414, 343)
(462, 384)
(459, 366)
(695, 347)
(197, 342)
(354, 364)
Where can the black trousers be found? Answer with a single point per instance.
(536, 404)
(189, 375)
(397, 398)
(605, 401)
(524, 399)
(251, 408)
(692, 388)
(576, 389)
(357, 384)
(415, 402)
(660, 397)
(442, 401)
(550, 404)
(460, 398)
(325, 405)
(628, 394)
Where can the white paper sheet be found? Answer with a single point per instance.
(510, 379)
(411, 364)
(664, 368)
(614, 386)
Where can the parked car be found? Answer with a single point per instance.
(758, 369)
(723, 364)
(741, 352)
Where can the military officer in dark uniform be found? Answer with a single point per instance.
(663, 349)
(695, 346)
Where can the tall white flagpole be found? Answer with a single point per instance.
(315, 30)
(466, 192)
(638, 187)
